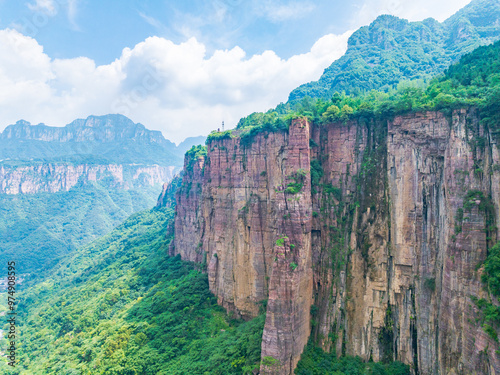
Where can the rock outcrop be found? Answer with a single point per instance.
(372, 231)
(52, 178)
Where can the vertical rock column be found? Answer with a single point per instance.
(463, 345)
(287, 326)
(189, 222)
(416, 167)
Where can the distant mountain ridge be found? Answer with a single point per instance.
(391, 50)
(61, 187)
(102, 139)
(109, 128)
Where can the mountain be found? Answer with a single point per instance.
(120, 306)
(367, 223)
(110, 138)
(185, 145)
(61, 187)
(359, 226)
(391, 50)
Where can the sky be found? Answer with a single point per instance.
(181, 67)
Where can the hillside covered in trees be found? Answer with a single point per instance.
(392, 50)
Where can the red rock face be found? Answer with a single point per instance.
(432, 165)
(287, 325)
(189, 222)
(256, 233)
(55, 177)
(374, 243)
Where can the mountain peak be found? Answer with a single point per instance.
(106, 121)
(391, 50)
(389, 21)
(23, 123)
(107, 128)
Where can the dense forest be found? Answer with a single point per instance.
(392, 50)
(122, 306)
(77, 216)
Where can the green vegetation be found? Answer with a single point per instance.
(193, 154)
(335, 191)
(490, 316)
(491, 274)
(121, 306)
(473, 82)
(491, 279)
(38, 229)
(476, 198)
(217, 135)
(316, 173)
(296, 187)
(257, 122)
(281, 241)
(314, 361)
(392, 50)
(271, 363)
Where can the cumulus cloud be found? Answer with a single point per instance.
(408, 9)
(176, 88)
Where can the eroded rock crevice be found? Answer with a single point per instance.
(365, 235)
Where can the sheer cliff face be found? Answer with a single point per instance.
(52, 177)
(385, 242)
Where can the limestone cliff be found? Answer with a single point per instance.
(54, 177)
(366, 235)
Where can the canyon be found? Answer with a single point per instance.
(366, 236)
(61, 187)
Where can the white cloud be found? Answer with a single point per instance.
(72, 13)
(175, 88)
(409, 9)
(49, 7)
(277, 12)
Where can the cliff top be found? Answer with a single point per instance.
(472, 82)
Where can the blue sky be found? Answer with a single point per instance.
(177, 66)
(101, 29)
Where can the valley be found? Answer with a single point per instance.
(350, 230)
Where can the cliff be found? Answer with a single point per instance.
(366, 235)
(54, 177)
(110, 139)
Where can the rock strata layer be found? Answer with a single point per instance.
(372, 231)
(52, 178)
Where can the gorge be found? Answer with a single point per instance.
(351, 230)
